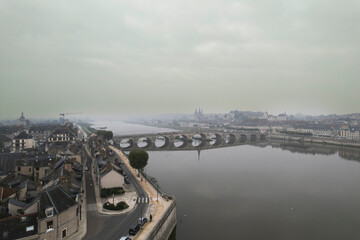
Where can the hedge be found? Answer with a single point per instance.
(119, 206)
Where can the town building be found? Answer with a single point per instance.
(62, 135)
(111, 177)
(58, 214)
(22, 142)
(36, 167)
(349, 132)
(7, 163)
(41, 132)
(22, 120)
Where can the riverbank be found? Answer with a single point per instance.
(161, 208)
(334, 142)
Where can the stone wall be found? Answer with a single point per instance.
(165, 225)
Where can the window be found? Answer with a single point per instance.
(64, 232)
(37, 169)
(49, 212)
(49, 225)
(29, 169)
(30, 228)
(19, 168)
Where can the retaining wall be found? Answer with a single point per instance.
(165, 225)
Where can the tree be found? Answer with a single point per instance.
(138, 159)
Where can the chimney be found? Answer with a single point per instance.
(38, 188)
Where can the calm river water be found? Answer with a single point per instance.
(277, 191)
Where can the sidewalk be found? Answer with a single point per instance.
(156, 208)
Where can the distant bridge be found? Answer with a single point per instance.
(187, 140)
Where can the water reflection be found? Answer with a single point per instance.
(347, 153)
(317, 149)
(269, 191)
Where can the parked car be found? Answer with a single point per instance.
(125, 238)
(142, 221)
(86, 168)
(133, 230)
(127, 180)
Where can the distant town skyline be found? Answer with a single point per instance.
(133, 58)
(23, 116)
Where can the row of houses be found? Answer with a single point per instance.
(21, 138)
(345, 132)
(108, 173)
(41, 187)
(349, 132)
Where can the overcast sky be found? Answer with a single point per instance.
(149, 57)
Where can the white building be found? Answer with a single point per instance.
(62, 135)
(22, 142)
(350, 133)
(111, 179)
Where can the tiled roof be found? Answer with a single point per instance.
(8, 192)
(17, 203)
(7, 162)
(63, 130)
(4, 138)
(23, 135)
(38, 161)
(57, 198)
(18, 226)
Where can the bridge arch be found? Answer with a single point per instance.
(158, 140)
(199, 140)
(181, 138)
(143, 142)
(243, 138)
(215, 139)
(126, 143)
(230, 138)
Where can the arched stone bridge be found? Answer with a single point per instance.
(187, 140)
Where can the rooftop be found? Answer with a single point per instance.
(57, 198)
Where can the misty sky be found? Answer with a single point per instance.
(150, 57)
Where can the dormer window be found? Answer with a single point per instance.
(49, 212)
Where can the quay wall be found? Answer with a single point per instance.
(165, 225)
(338, 142)
(167, 222)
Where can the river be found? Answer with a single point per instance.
(279, 191)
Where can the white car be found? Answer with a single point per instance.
(125, 238)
